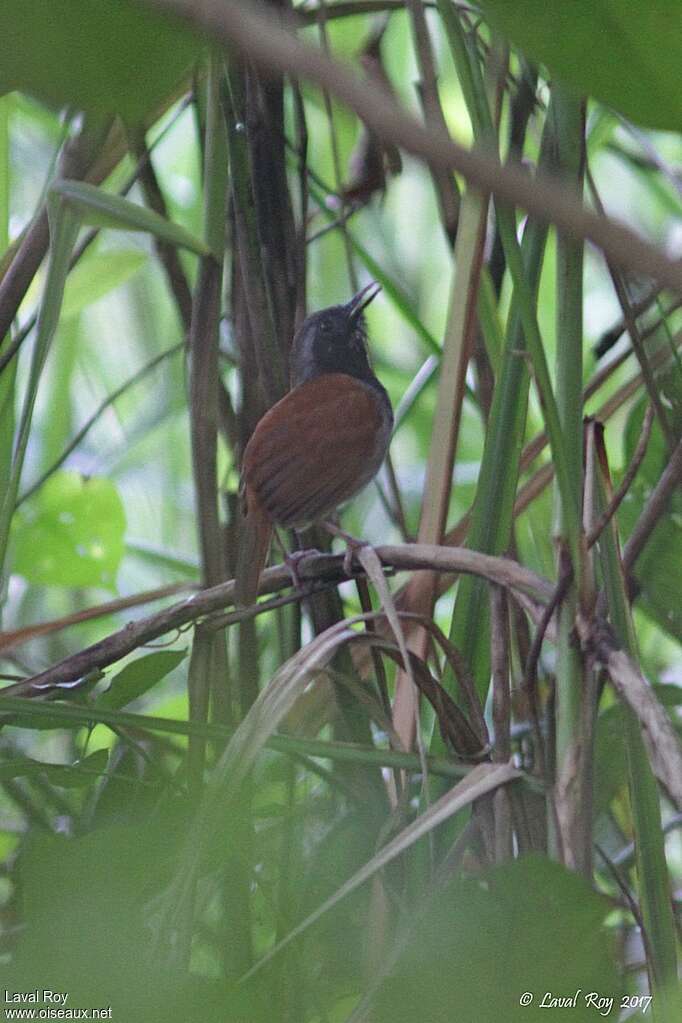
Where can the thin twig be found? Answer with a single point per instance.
(567, 577)
(167, 253)
(460, 670)
(624, 889)
(626, 856)
(627, 481)
(531, 672)
(609, 337)
(444, 183)
(629, 318)
(335, 225)
(655, 508)
(395, 507)
(15, 637)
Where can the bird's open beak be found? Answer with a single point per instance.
(362, 299)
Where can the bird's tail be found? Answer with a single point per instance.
(254, 544)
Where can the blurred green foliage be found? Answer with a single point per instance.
(624, 54)
(72, 534)
(540, 925)
(93, 54)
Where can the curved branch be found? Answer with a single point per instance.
(240, 25)
(316, 568)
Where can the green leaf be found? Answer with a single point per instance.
(610, 753)
(541, 926)
(101, 209)
(98, 274)
(627, 55)
(139, 676)
(94, 54)
(63, 233)
(610, 765)
(87, 919)
(72, 534)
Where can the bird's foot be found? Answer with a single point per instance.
(292, 560)
(352, 545)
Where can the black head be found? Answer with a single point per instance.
(334, 341)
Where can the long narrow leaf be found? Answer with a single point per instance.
(644, 798)
(481, 780)
(64, 224)
(102, 209)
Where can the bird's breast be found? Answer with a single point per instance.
(317, 447)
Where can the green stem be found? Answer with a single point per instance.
(493, 508)
(71, 715)
(8, 377)
(5, 106)
(654, 883)
(64, 224)
(473, 88)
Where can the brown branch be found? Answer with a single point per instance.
(444, 182)
(16, 637)
(277, 49)
(610, 336)
(660, 738)
(204, 416)
(319, 567)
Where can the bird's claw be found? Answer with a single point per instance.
(353, 545)
(292, 561)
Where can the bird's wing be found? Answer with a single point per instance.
(312, 450)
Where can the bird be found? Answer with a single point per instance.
(321, 443)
